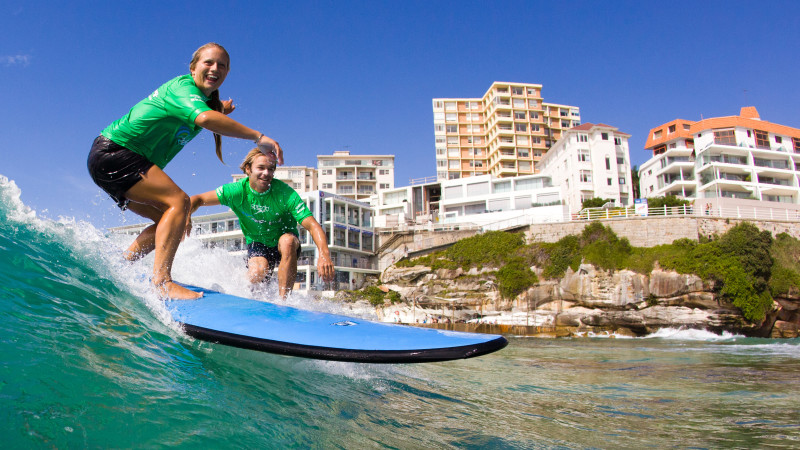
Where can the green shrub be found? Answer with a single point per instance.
(556, 258)
(377, 297)
(515, 277)
(785, 276)
(669, 201)
(595, 202)
(489, 248)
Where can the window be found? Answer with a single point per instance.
(520, 115)
(586, 176)
(521, 126)
(762, 139)
(617, 141)
(608, 180)
(451, 117)
(583, 155)
(383, 172)
(671, 129)
(796, 142)
(604, 136)
(327, 185)
(502, 186)
(686, 126)
(384, 186)
(724, 137)
(778, 140)
(327, 171)
(583, 138)
(622, 181)
(517, 91)
(438, 104)
(453, 192)
(452, 128)
(608, 163)
(475, 189)
(657, 134)
(523, 153)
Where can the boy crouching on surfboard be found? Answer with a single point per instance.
(269, 211)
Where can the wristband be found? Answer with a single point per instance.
(259, 138)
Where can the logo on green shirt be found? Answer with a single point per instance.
(183, 135)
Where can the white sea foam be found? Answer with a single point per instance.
(684, 334)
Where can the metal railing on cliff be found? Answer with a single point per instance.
(736, 212)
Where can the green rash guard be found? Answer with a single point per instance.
(160, 125)
(264, 217)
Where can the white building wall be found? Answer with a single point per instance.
(582, 163)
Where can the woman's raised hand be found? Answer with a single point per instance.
(269, 145)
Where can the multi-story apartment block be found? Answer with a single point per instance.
(355, 176)
(476, 200)
(590, 161)
(504, 133)
(736, 157)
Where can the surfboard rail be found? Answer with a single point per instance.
(346, 355)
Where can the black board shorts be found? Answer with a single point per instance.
(115, 168)
(257, 249)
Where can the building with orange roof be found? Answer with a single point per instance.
(733, 157)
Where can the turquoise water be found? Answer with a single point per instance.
(87, 360)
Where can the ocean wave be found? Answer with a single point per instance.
(686, 334)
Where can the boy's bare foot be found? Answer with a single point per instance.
(173, 291)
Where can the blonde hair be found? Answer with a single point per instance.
(252, 155)
(214, 103)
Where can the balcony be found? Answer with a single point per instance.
(774, 181)
(771, 163)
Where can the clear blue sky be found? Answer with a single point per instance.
(332, 75)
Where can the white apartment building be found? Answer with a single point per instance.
(590, 160)
(355, 176)
(504, 133)
(733, 157)
(476, 200)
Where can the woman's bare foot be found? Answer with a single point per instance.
(173, 291)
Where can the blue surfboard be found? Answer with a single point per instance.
(252, 324)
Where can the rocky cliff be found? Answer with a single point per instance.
(586, 301)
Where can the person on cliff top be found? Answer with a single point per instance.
(269, 211)
(128, 159)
